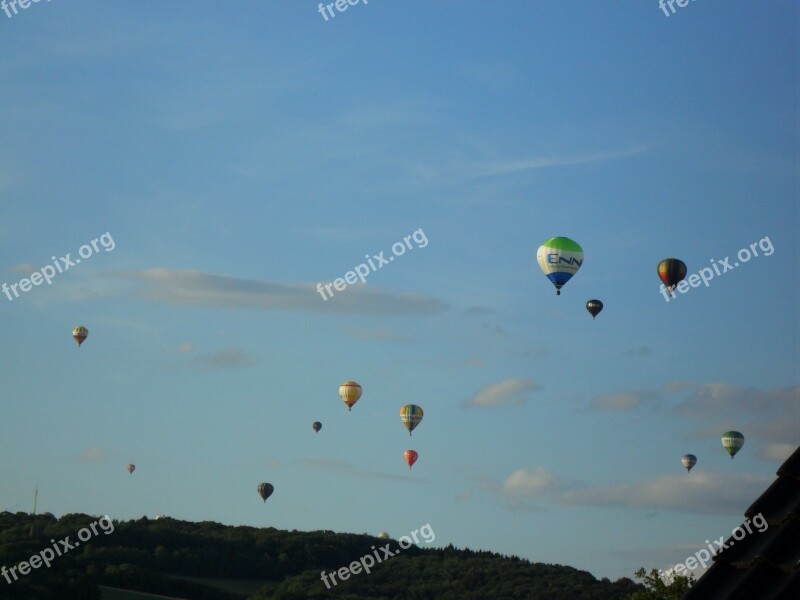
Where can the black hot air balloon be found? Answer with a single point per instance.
(265, 490)
(688, 461)
(316, 426)
(594, 307)
(671, 271)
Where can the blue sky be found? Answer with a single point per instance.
(238, 155)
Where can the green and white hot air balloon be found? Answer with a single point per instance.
(732, 441)
(559, 258)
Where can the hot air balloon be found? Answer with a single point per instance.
(79, 334)
(131, 469)
(732, 441)
(688, 460)
(410, 415)
(671, 271)
(594, 307)
(383, 535)
(316, 426)
(350, 392)
(265, 490)
(559, 258)
(410, 457)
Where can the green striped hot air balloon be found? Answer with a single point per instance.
(559, 258)
(732, 441)
(410, 415)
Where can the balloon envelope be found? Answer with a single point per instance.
(131, 468)
(559, 258)
(410, 457)
(316, 426)
(732, 441)
(688, 461)
(594, 307)
(671, 271)
(265, 490)
(79, 334)
(350, 391)
(410, 415)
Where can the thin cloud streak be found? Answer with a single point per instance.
(502, 394)
(700, 493)
(229, 358)
(341, 466)
(768, 415)
(381, 333)
(623, 401)
(93, 455)
(536, 163)
(197, 288)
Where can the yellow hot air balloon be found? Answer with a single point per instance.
(350, 391)
(79, 334)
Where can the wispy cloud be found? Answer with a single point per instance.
(229, 358)
(24, 268)
(525, 489)
(381, 333)
(778, 452)
(478, 311)
(341, 466)
(710, 398)
(504, 393)
(467, 363)
(196, 288)
(771, 415)
(533, 163)
(484, 176)
(93, 455)
(536, 482)
(702, 493)
(640, 351)
(623, 401)
(462, 497)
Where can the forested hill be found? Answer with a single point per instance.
(210, 561)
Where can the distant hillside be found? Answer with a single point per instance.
(209, 561)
